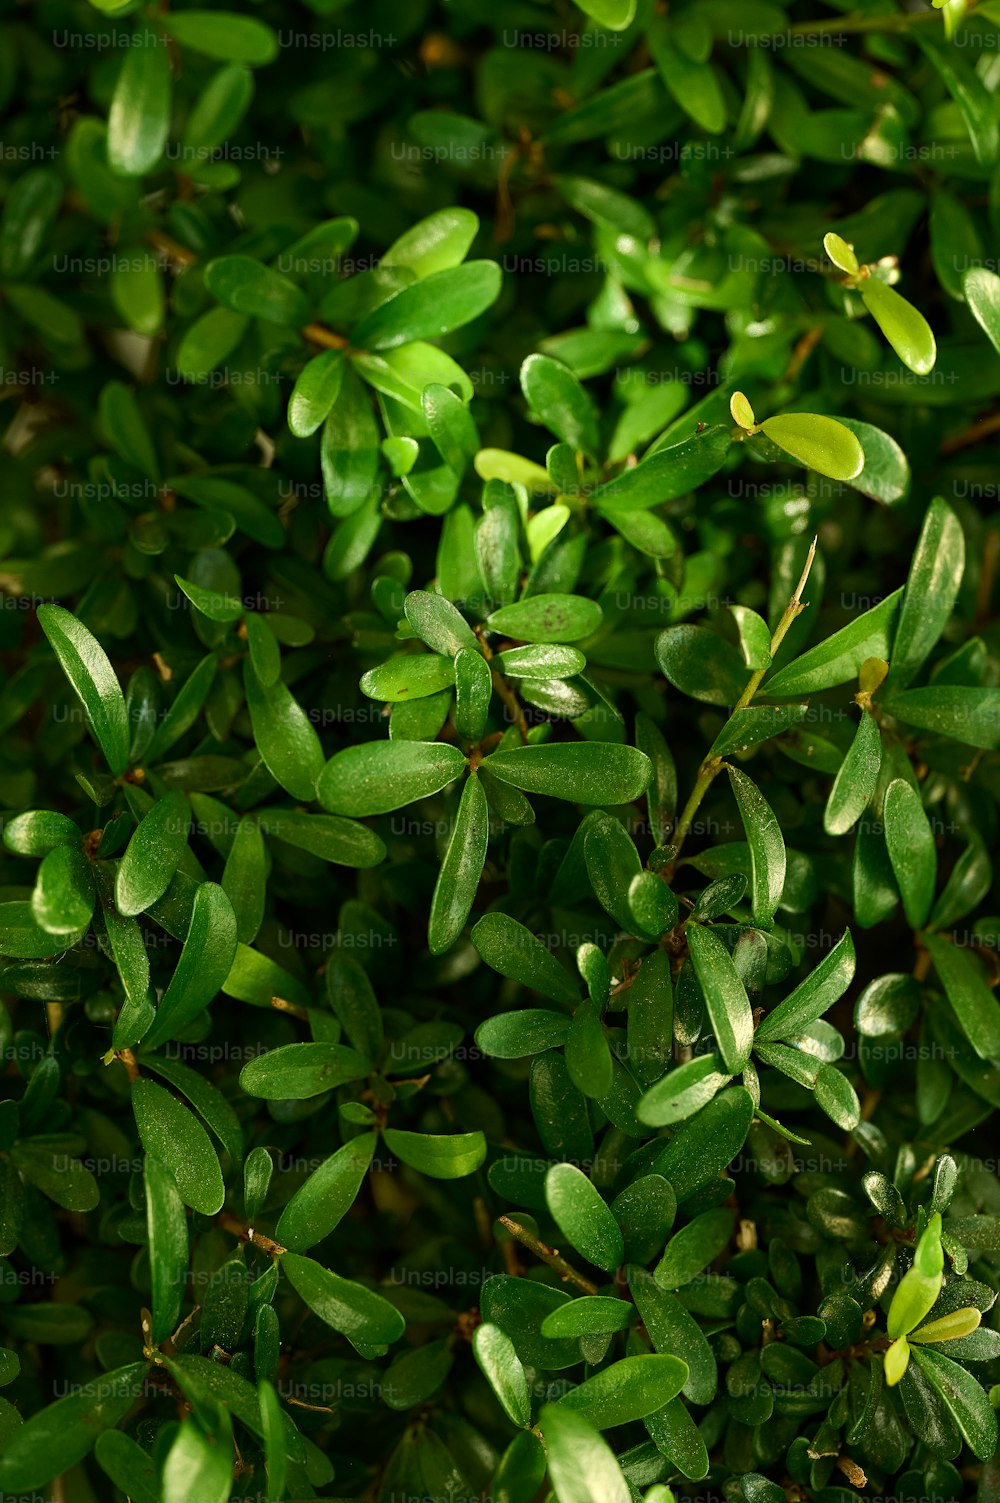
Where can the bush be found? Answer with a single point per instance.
(501, 711)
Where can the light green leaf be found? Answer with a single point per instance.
(904, 327)
(139, 117)
(820, 443)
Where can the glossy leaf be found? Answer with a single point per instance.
(85, 664)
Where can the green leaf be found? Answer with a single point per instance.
(29, 213)
(930, 594)
(767, 848)
(693, 1248)
(461, 869)
(586, 772)
(982, 293)
(614, 14)
(749, 727)
(172, 1134)
(594, 1315)
(211, 603)
(244, 879)
(130, 1468)
(85, 664)
(519, 1035)
(275, 1438)
(820, 443)
(55, 1438)
(667, 473)
(856, 780)
(246, 286)
(379, 776)
(224, 35)
(837, 1097)
(220, 109)
(38, 832)
(840, 657)
(440, 1155)
(410, 675)
(706, 1142)
(473, 693)
(65, 1180)
(64, 895)
(126, 430)
(286, 738)
(700, 663)
(970, 93)
(349, 450)
(971, 716)
(548, 618)
(431, 307)
(814, 996)
(582, 1467)
(451, 426)
(974, 1004)
(439, 624)
(327, 1195)
(514, 951)
(204, 965)
(356, 1312)
(886, 474)
(682, 1091)
(583, 1217)
(627, 1390)
(295, 1072)
(166, 1225)
(315, 392)
(912, 851)
(501, 1367)
(904, 327)
(887, 1005)
(139, 117)
(152, 855)
(557, 399)
(327, 836)
(679, 1438)
(436, 243)
(729, 1011)
(965, 1399)
(352, 998)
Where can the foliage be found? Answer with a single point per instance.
(498, 932)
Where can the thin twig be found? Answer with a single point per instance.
(548, 1255)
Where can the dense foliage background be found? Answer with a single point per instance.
(500, 692)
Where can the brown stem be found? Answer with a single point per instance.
(710, 769)
(320, 334)
(548, 1255)
(974, 434)
(247, 1234)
